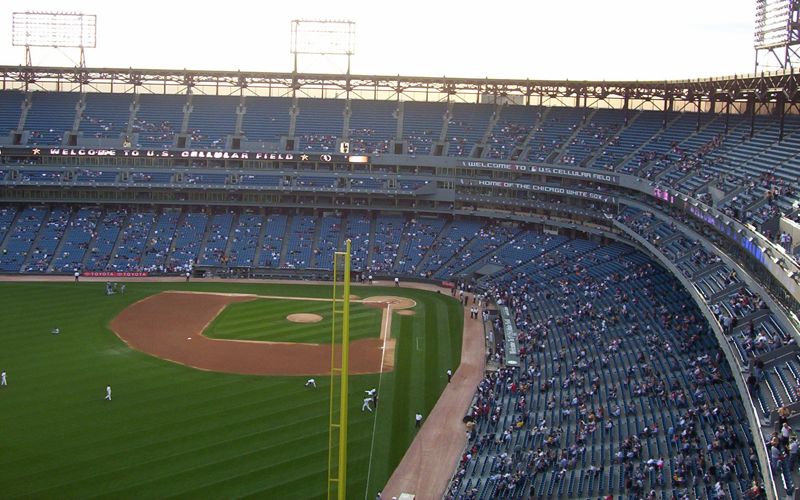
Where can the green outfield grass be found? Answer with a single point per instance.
(172, 431)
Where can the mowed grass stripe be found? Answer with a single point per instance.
(141, 411)
(259, 482)
(141, 406)
(432, 355)
(226, 433)
(288, 410)
(357, 460)
(170, 423)
(401, 432)
(282, 485)
(226, 458)
(236, 447)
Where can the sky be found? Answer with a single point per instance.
(536, 39)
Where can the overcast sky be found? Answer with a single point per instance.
(537, 39)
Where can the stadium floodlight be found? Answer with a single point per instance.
(55, 30)
(777, 32)
(323, 38)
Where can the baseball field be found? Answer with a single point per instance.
(211, 415)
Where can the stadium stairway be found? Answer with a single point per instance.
(450, 244)
(62, 242)
(640, 126)
(119, 245)
(273, 241)
(77, 240)
(387, 231)
(285, 242)
(423, 262)
(108, 231)
(207, 233)
(638, 154)
(490, 239)
(230, 238)
(191, 228)
(212, 252)
(40, 232)
(127, 255)
(373, 238)
(47, 239)
(327, 237)
(8, 215)
(422, 232)
(300, 236)
(666, 144)
(565, 146)
(360, 229)
(523, 150)
(20, 237)
(491, 255)
(244, 247)
(162, 240)
(152, 234)
(453, 256)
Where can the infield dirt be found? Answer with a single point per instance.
(169, 325)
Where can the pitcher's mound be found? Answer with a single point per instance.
(383, 300)
(304, 318)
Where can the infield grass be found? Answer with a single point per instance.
(173, 431)
(265, 320)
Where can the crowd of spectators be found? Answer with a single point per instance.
(605, 371)
(161, 132)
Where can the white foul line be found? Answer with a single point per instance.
(385, 328)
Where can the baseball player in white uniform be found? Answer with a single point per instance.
(366, 405)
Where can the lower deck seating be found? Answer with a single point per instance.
(622, 389)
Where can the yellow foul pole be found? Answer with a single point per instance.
(337, 466)
(344, 376)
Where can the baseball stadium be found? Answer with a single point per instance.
(315, 285)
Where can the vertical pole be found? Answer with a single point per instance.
(334, 371)
(342, 483)
(699, 108)
(727, 113)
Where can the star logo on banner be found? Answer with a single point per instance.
(36, 151)
(303, 157)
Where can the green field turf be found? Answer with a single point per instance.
(172, 431)
(265, 319)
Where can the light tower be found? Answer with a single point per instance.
(55, 30)
(323, 38)
(777, 34)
